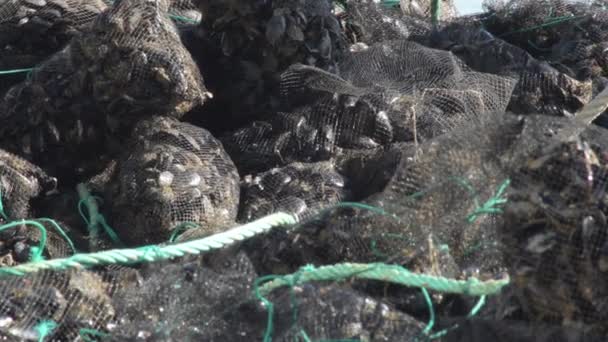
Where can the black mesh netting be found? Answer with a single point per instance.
(303, 170)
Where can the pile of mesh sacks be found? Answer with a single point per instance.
(403, 172)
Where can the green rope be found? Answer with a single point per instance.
(552, 22)
(59, 230)
(391, 3)
(88, 334)
(268, 304)
(480, 303)
(94, 218)
(490, 207)
(184, 19)
(44, 329)
(393, 274)
(291, 281)
(36, 252)
(2, 213)
(156, 253)
(15, 71)
(180, 228)
(381, 272)
(429, 303)
(435, 11)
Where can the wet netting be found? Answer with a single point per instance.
(303, 170)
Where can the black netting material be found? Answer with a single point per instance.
(395, 171)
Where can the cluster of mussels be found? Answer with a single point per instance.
(175, 173)
(246, 45)
(32, 30)
(408, 118)
(126, 66)
(297, 188)
(555, 232)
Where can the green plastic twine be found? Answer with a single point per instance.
(480, 303)
(15, 71)
(184, 19)
(377, 210)
(95, 219)
(36, 252)
(490, 207)
(382, 272)
(435, 11)
(390, 3)
(180, 228)
(44, 329)
(291, 281)
(294, 305)
(268, 304)
(158, 253)
(2, 213)
(87, 335)
(59, 230)
(551, 22)
(393, 274)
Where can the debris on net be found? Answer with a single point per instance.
(127, 65)
(174, 174)
(31, 31)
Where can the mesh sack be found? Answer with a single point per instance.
(392, 92)
(31, 31)
(327, 312)
(509, 330)
(570, 36)
(186, 300)
(175, 174)
(129, 64)
(367, 22)
(552, 22)
(423, 9)
(428, 220)
(554, 232)
(20, 182)
(244, 46)
(426, 216)
(542, 87)
(60, 306)
(48, 242)
(414, 204)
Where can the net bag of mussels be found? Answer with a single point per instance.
(303, 170)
